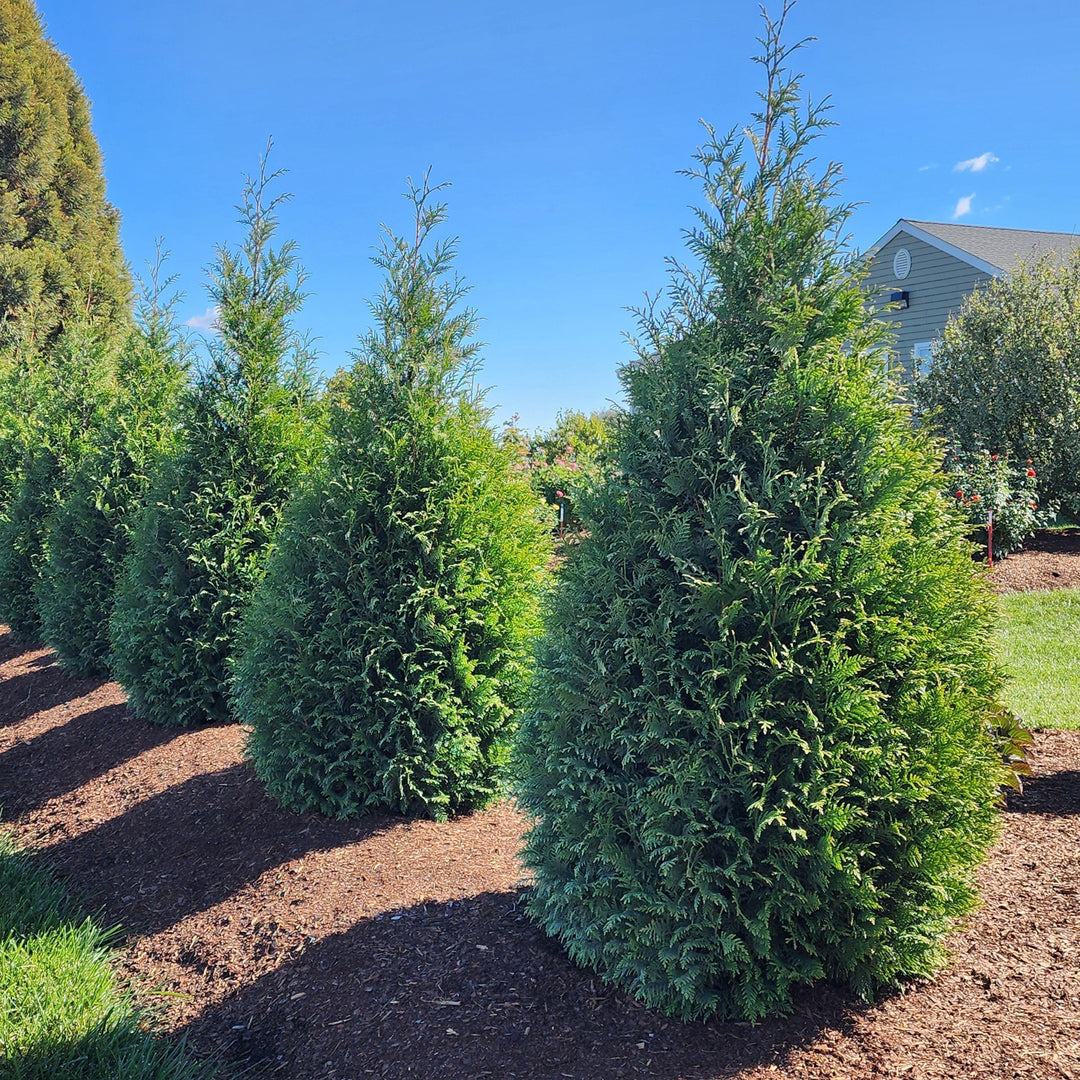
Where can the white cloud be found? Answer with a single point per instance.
(926, 168)
(206, 321)
(975, 164)
(963, 206)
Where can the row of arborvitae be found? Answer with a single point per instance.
(379, 651)
(756, 752)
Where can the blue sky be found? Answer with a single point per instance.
(562, 127)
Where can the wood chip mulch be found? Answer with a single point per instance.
(291, 946)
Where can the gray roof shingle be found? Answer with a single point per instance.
(1002, 248)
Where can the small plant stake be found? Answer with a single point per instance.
(990, 537)
(562, 512)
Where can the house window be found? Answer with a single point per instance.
(921, 353)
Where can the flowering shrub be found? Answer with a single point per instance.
(982, 483)
(560, 462)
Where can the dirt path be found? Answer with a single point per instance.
(307, 949)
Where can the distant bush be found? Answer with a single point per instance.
(89, 532)
(560, 463)
(1006, 374)
(386, 652)
(247, 430)
(757, 752)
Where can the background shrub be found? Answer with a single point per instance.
(561, 462)
(385, 653)
(89, 532)
(1006, 374)
(247, 429)
(757, 753)
(982, 483)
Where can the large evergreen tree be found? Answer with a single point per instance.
(757, 753)
(59, 237)
(247, 430)
(386, 651)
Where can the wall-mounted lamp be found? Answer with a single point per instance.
(900, 299)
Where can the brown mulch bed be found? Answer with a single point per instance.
(1050, 560)
(292, 946)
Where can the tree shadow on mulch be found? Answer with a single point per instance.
(71, 754)
(471, 989)
(193, 845)
(44, 685)
(1056, 794)
(23, 695)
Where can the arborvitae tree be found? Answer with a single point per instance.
(757, 751)
(59, 237)
(384, 655)
(66, 392)
(247, 430)
(89, 533)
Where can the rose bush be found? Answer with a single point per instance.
(982, 484)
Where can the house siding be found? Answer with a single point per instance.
(936, 287)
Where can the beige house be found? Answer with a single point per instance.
(928, 267)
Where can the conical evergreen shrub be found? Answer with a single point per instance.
(65, 391)
(757, 753)
(89, 533)
(384, 656)
(247, 430)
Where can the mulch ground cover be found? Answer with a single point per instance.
(292, 946)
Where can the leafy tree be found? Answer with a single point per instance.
(65, 394)
(247, 430)
(1006, 376)
(89, 533)
(384, 655)
(60, 252)
(757, 751)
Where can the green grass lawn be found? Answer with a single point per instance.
(62, 1014)
(1040, 645)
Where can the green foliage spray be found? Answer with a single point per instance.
(247, 430)
(385, 654)
(757, 751)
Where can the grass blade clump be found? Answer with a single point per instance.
(757, 753)
(384, 656)
(63, 1015)
(247, 430)
(89, 533)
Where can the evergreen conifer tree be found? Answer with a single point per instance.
(384, 656)
(757, 752)
(89, 533)
(65, 393)
(247, 430)
(60, 252)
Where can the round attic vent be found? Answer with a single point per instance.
(901, 263)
